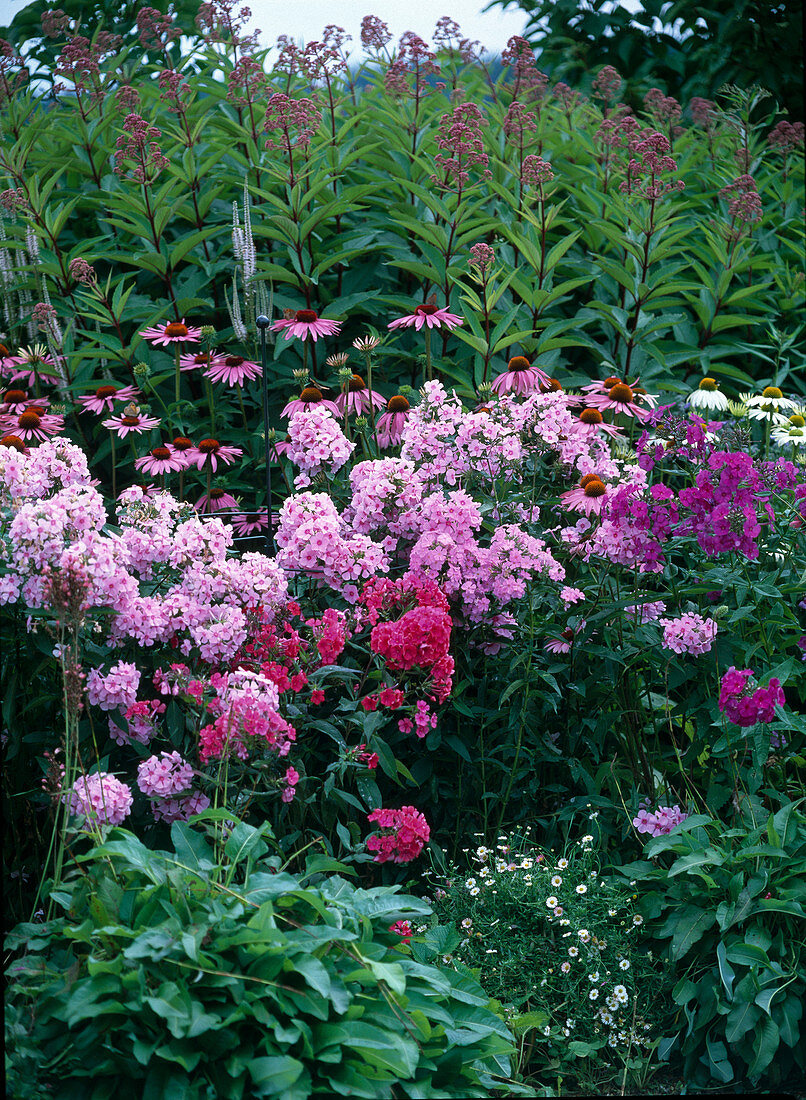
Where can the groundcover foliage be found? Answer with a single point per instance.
(534, 558)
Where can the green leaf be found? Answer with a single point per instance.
(273, 1076)
(726, 972)
(686, 927)
(765, 1044)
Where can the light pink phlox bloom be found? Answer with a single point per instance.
(661, 822)
(114, 689)
(646, 612)
(318, 445)
(690, 634)
(179, 809)
(101, 798)
(571, 596)
(164, 776)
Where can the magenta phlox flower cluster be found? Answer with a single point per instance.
(164, 776)
(114, 689)
(401, 834)
(690, 634)
(100, 798)
(744, 703)
(723, 505)
(661, 822)
(318, 445)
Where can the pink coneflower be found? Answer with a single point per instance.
(104, 398)
(430, 314)
(199, 360)
(358, 399)
(36, 364)
(161, 460)
(280, 447)
(620, 397)
(251, 523)
(589, 496)
(209, 452)
(602, 386)
(130, 422)
(309, 397)
(215, 501)
(592, 421)
(182, 444)
(304, 323)
(176, 332)
(520, 377)
(17, 401)
(565, 641)
(32, 423)
(389, 429)
(233, 370)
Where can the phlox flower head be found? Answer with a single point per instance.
(164, 776)
(401, 834)
(101, 798)
(744, 703)
(690, 633)
(179, 808)
(318, 445)
(661, 822)
(117, 688)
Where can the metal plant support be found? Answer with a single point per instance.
(263, 323)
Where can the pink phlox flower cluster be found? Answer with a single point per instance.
(165, 775)
(217, 631)
(318, 445)
(42, 529)
(690, 633)
(401, 837)
(114, 689)
(248, 717)
(179, 809)
(101, 798)
(384, 492)
(661, 822)
(53, 465)
(571, 596)
(198, 539)
(320, 546)
(148, 527)
(744, 703)
(646, 612)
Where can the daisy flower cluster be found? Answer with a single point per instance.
(551, 936)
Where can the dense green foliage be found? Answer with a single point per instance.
(209, 971)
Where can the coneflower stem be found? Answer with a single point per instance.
(176, 351)
(428, 368)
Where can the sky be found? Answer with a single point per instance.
(307, 20)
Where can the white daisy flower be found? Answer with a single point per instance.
(594, 993)
(584, 935)
(621, 994)
(573, 952)
(638, 919)
(582, 888)
(566, 966)
(594, 977)
(474, 890)
(467, 923)
(587, 839)
(562, 864)
(624, 964)
(708, 396)
(612, 912)
(557, 881)
(551, 902)
(470, 882)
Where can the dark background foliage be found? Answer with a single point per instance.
(687, 49)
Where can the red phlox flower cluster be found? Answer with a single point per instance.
(401, 837)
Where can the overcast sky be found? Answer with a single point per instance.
(307, 20)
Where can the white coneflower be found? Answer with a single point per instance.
(708, 396)
(768, 405)
(792, 433)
